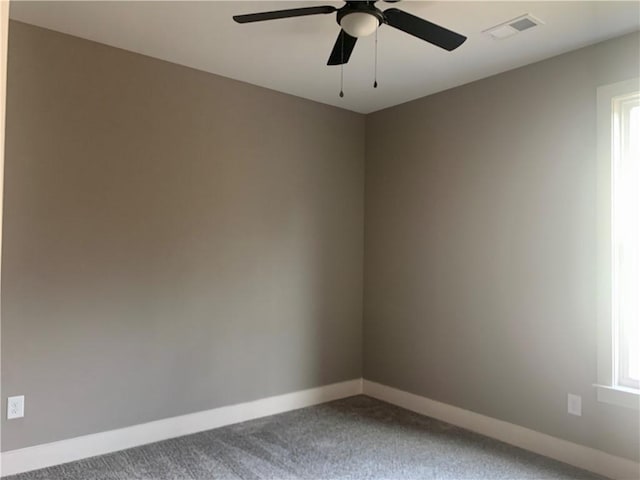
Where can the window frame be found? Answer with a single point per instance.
(609, 389)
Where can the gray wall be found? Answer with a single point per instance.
(480, 250)
(176, 241)
(173, 241)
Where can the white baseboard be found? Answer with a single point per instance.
(55, 453)
(577, 455)
(41, 456)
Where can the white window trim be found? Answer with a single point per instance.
(607, 390)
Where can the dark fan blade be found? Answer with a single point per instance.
(342, 49)
(423, 29)
(293, 12)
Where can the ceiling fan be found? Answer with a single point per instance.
(362, 18)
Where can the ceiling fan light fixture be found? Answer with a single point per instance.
(359, 18)
(359, 24)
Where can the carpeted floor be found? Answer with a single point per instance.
(354, 438)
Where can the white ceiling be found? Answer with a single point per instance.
(290, 55)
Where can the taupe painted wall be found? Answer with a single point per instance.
(173, 240)
(480, 250)
(176, 241)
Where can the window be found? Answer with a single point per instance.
(619, 243)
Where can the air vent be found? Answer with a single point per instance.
(516, 25)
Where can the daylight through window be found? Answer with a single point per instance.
(626, 238)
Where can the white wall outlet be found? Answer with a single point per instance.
(15, 407)
(574, 404)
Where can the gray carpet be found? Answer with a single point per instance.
(354, 438)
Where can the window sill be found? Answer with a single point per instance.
(621, 396)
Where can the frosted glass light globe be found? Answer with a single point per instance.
(359, 24)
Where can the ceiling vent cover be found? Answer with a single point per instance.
(516, 25)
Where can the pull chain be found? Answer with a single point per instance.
(375, 62)
(341, 64)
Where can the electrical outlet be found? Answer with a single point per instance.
(15, 407)
(574, 404)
